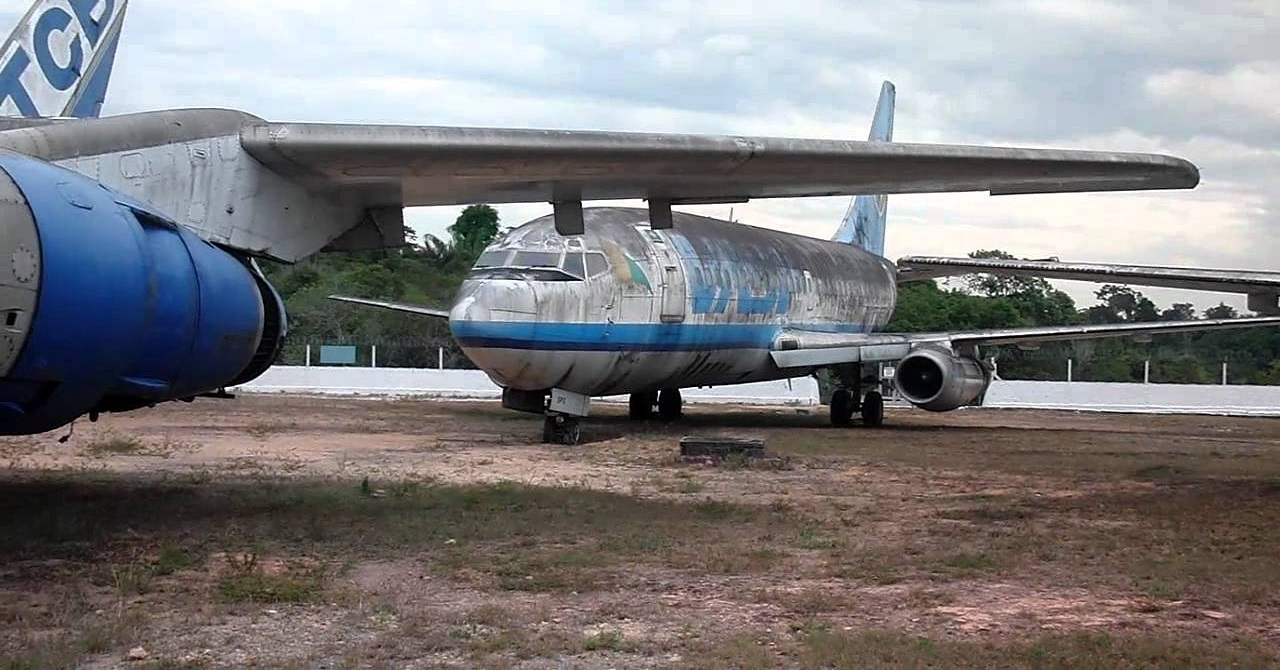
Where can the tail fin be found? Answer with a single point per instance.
(58, 60)
(864, 222)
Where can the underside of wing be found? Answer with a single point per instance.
(395, 306)
(428, 165)
(813, 350)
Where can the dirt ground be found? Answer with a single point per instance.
(333, 533)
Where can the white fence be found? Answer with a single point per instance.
(474, 384)
(1138, 398)
(802, 392)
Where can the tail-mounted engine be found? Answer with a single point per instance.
(940, 381)
(107, 306)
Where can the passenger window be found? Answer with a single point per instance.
(596, 264)
(573, 264)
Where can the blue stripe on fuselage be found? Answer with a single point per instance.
(629, 336)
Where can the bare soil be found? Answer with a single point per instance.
(324, 533)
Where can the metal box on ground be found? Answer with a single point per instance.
(694, 446)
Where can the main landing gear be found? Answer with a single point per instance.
(669, 403)
(848, 398)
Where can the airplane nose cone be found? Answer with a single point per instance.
(468, 308)
(494, 321)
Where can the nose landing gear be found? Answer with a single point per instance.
(561, 429)
(565, 410)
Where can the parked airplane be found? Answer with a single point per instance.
(58, 60)
(128, 243)
(632, 308)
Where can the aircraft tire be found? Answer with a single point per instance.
(571, 432)
(640, 406)
(561, 429)
(873, 410)
(841, 407)
(670, 404)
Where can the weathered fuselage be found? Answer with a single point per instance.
(627, 309)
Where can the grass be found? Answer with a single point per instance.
(129, 445)
(939, 517)
(246, 580)
(64, 649)
(503, 536)
(608, 640)
(884, 649)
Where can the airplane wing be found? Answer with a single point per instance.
(1263, 288)
(306, 185)
(389, 165)
(800, 349)
(396, 306)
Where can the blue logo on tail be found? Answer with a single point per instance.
(82, 35)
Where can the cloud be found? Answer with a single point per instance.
(1170, 76)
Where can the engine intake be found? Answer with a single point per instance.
(940, 381)
(107, 306)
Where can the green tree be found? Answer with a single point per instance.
(1179, 311)
(1121, 304)
(474, 229)
(1221, 311)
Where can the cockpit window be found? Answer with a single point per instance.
(573, 264)
(596, 264)
(492, 259)
(536, 259)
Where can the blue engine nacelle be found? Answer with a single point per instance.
(106, 306)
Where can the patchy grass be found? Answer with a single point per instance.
(608, 640)
(115, 445)
(726, 569)
(246, 580)
(64, 649)
(129, 445)
(741, 652)
(508, 536)
(261, 430)
(883, 649)
(807, 602)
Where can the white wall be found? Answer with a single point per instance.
(1144, 398)
(1090, 396)
(474, 384)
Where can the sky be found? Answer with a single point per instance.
(1196, 80)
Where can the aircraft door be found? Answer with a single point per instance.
(673, 293)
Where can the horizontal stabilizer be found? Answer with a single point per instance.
(396, 306)
(799, 349)
(1261, 286)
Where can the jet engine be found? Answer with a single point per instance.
(940, 381)
(107, 306)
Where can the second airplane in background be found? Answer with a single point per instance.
(634, 308)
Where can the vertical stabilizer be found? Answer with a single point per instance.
(58, 60)
(864, 222)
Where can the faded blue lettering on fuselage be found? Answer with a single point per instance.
(751, 290)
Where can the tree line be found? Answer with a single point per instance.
(429, 271)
